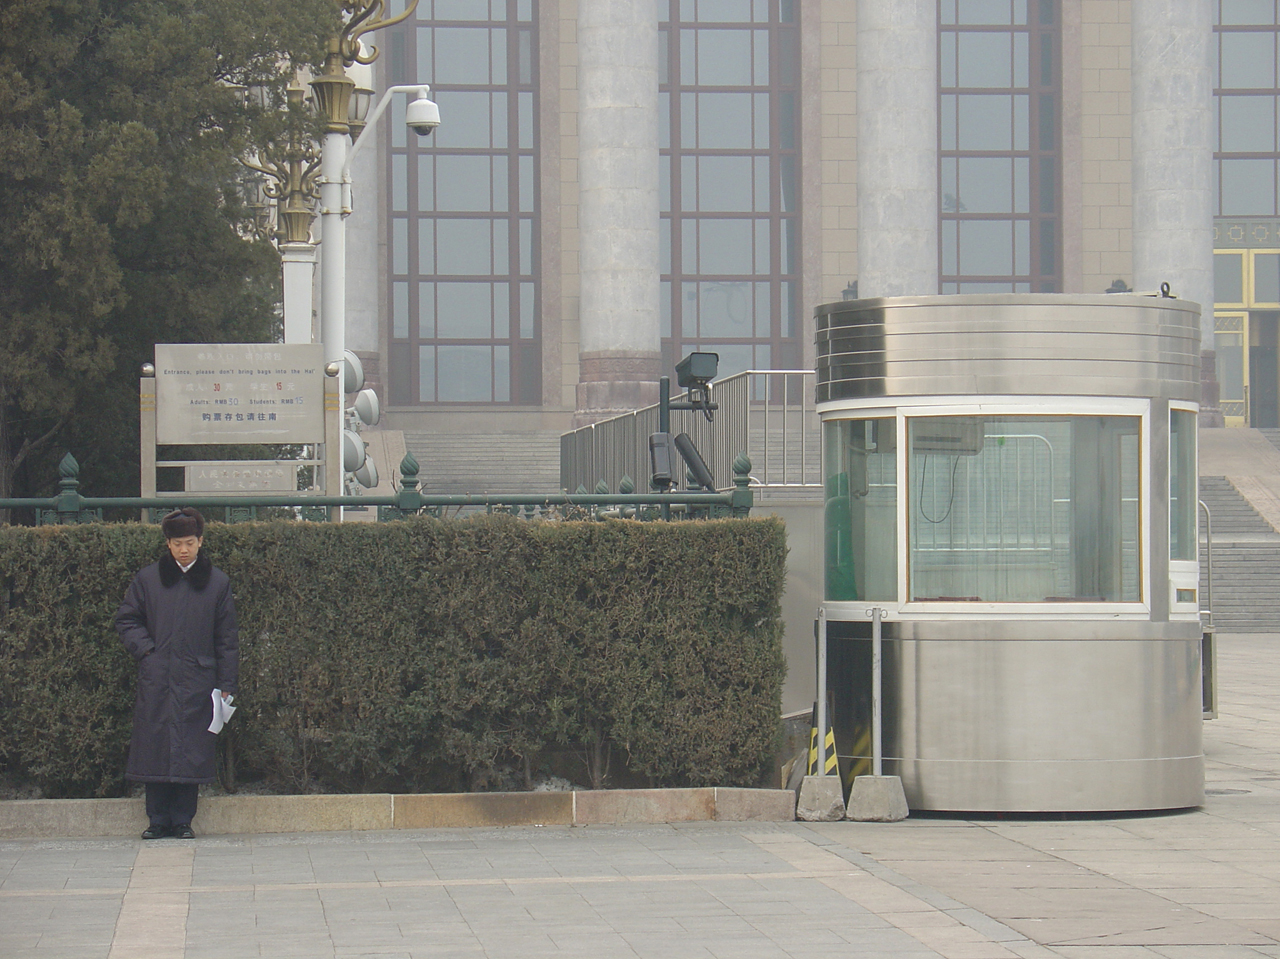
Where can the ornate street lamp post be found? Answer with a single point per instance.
(298, 173)
(291, 168)
(333, 91)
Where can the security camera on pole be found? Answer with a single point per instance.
(422, 116)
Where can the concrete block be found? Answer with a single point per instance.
(821, 799)
(755, 805)
(610, 806)
(877, 799)
(226, 815)
(248, 815)
(451, 810)
(71, 818)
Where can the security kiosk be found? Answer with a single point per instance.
(1010, 480)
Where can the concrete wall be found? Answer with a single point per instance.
(802, 513)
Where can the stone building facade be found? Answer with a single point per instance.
(616, 183)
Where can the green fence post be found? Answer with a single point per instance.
(627, 486)
(743, 498)
(70, 504)
(409, 498)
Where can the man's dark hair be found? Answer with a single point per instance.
(183, 522)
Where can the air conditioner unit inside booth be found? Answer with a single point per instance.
(962, 436)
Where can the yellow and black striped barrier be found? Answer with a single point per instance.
(860, 760)
(829, 747)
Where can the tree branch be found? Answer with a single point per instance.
(30, 446)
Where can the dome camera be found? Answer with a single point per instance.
(422, 115)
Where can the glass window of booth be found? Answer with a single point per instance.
(861, 515)
(1183, 496)
(1024, 509)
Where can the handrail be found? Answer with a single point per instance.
(756, 415)
(1208, 556)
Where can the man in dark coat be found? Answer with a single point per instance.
(178, 621)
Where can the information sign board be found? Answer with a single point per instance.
(231, 393)
(242, 476)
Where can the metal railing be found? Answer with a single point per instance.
(767, 414)
(68, 506)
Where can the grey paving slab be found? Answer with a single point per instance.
(1203, 884)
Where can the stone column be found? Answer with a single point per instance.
(298, 267)
(1173, 158)
(897, 147)
(619, 359)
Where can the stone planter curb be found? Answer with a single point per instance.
(249, 815)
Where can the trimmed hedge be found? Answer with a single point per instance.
(418, 655)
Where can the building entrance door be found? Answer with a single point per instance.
(1264, 370)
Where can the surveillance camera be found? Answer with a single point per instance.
(422, 115)
(697, 370)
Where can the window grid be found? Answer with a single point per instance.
(1245, 94)
(1030, 144)
(731, 270)
(465, 326)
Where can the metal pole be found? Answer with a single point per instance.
(1208, 556)
(333, 440)
(822, 690)
(333, 249)
(147, 437)
(664, 424)
(876, 715)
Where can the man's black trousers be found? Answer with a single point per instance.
(171, 804)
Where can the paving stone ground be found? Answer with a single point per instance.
(1201, 884)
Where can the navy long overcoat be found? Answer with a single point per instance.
(181, 629)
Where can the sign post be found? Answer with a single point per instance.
(231, 394)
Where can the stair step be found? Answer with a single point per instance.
(1230, 513)
(487, 462)
(1246, 582)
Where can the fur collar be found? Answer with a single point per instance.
(198, 575)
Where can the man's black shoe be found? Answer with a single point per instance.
(155, 832)
(183, 832)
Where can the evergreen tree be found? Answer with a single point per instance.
(120, 219)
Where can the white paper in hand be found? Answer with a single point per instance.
(222, 711)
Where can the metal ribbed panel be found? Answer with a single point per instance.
(1012, 344)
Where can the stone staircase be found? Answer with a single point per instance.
(453, 463)
(1233, 516)
(1246, 562)
(786, 458)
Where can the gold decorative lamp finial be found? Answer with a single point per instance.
(365, 16)
(333, 88)
(291, 168)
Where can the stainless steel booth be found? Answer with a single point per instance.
(1011, 479)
